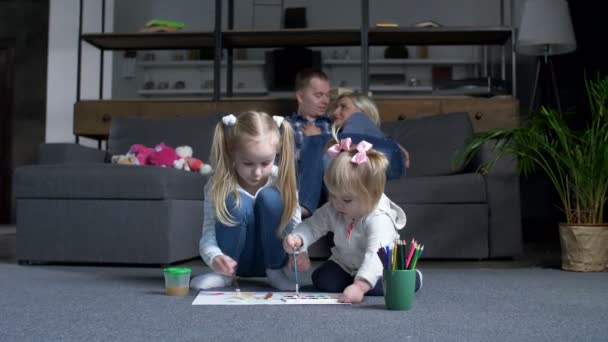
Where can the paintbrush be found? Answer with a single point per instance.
(236, 284)
(295, 269)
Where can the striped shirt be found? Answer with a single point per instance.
(298, 122)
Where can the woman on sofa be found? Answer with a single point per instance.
(356, 116)
(356, 113)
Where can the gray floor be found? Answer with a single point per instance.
(528, 299)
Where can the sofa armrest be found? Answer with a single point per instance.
(503, 193)
(61, 153)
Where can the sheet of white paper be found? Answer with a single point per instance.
(264, 298)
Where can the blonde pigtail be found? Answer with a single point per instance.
(287, 176)
(224, 179)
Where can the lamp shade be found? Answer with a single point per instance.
(546, 28)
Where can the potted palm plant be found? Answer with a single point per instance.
(576, 163)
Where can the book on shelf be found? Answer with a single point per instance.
(385, 24)
(427, 23)
(162, 25)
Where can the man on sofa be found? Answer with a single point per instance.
(312, 93)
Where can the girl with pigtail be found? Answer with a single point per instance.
(250, 201)
(361, 217)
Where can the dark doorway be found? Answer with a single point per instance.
(7, 66)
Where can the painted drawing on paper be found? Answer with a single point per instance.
(264, 298)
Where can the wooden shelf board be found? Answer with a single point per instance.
(169, 92)
(151, 41)
(473, 35)
(291, 38)
(196, 63)
(300, 37)
(404, 61)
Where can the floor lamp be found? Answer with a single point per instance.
(545, 30)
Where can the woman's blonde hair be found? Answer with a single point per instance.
(227, 139)
(361, 102)
(366, 180)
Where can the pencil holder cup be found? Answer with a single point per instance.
(177, 281)
(399, 289)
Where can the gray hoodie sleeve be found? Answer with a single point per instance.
(380, 231)
(314, 227)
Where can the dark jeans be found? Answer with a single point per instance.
(310, 171)
(253, 242)
(330, 277)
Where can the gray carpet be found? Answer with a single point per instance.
(459, 302)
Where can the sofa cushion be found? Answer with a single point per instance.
(431, 141)
(460, 188)
(107, 181)
(197, 132)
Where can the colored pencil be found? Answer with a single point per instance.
(402, 255)
(409, 257)
(417, 256)
(395, 255)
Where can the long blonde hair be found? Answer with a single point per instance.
(363, 103)
(366, 180)
(227, 139)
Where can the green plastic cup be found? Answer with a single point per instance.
(399, 288)
(177, 281)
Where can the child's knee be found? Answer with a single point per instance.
(243, 211)
(269, 197)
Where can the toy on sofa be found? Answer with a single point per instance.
(141, 152)
(125, 159)
(189, 163)
(163, 155)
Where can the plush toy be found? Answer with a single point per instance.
(162, 155)
(189, 163)
(126, 159)
(141, 152)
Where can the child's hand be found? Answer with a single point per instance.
(354, 293)
(291, 242)
(303, 261)
(224, 264)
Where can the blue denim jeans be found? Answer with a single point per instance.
(310, 171)
(253, 242)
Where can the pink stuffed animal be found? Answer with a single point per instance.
(141, 152)
(163, 155)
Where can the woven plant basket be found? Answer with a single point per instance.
(584, 247)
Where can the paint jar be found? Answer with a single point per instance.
(177, 281)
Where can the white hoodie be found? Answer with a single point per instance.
(357, 254)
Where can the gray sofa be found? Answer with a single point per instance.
(455, 212)
(76, 207)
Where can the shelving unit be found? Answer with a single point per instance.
(199, 92)
(197, 76)
(194, 64)
(92, 117)
(403, 61)
(364, 37)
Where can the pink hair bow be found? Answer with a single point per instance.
(335, 149)
(361, 156)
